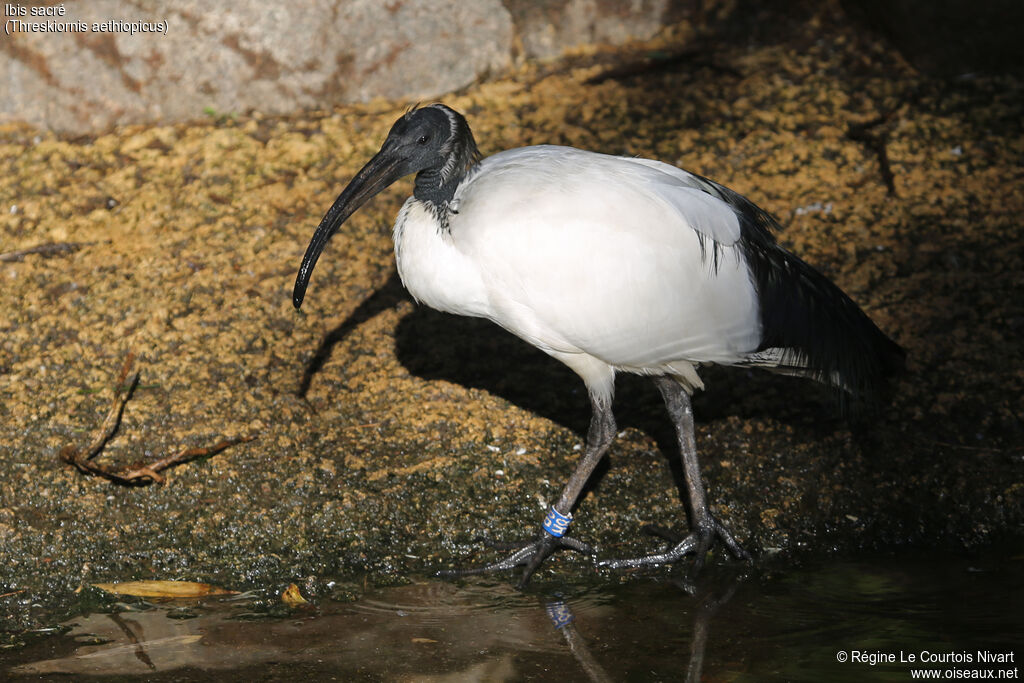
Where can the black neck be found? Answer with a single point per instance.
(432, 187)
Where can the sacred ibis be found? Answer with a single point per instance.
(609, 264)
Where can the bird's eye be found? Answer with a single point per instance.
(424, 139)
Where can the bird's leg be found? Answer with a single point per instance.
(550, 537)
(704, 528)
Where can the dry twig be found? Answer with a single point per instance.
(122, 391)
(82, 459)
(51, 249)
(874, 135)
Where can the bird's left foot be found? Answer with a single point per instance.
(697, 542)
(530, 555)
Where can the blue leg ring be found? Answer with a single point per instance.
(555, 523)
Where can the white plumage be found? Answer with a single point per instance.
(609, 264)
(587, 254)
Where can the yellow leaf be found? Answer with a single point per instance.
(163, 589)
(292, 597)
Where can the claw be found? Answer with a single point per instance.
(697, 542)
(531, 556)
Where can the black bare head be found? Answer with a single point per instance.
(434, 142)
(441, 147)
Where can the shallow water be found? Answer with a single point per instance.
(823, 621)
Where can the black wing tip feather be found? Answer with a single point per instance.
(802, 310)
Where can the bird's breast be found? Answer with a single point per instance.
(431, 265)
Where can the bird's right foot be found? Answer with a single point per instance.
(531, 554)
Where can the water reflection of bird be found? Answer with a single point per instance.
(609, 264)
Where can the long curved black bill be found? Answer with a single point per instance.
(377, 174)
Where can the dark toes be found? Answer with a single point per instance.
(530, 555)
(697, 543)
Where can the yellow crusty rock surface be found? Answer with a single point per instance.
(381, 425)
